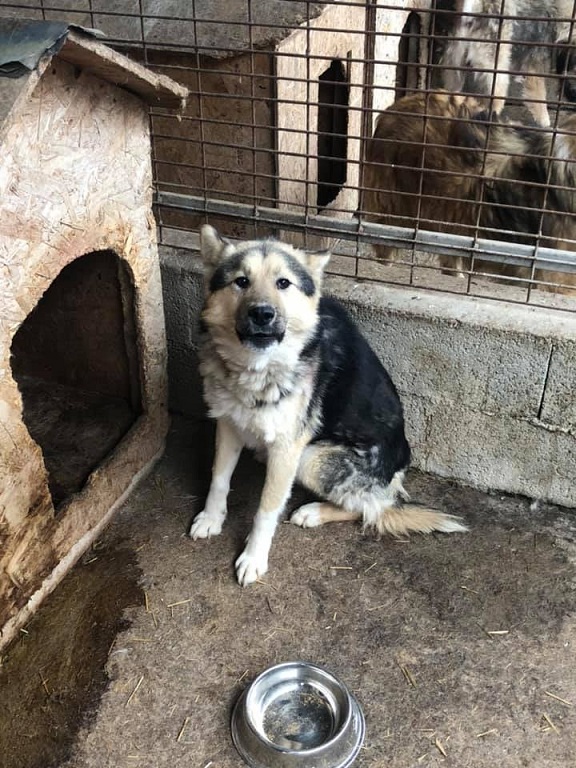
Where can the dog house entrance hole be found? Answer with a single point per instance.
(333, 102)
(75, 360)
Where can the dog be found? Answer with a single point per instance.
(430, 160)
(493, 42)
(566, 72)
(286, 372)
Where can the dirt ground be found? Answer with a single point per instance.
(459, 648)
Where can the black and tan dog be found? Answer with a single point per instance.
(431, 161)
(286, 372)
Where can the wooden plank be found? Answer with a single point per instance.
(100, 60)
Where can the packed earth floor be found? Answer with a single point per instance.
(460, 648)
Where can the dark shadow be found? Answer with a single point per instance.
(333, 103)
(75, 360)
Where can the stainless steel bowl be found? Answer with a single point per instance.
(297, 715)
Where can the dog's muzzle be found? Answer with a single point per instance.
(260, 325)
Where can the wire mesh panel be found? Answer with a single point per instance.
(429, 144)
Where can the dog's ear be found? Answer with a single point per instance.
(212, 246)
(316, 261)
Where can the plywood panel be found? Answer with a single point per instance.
(75, 177)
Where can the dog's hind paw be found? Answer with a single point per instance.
(249, 568)
(307, 516)
(206, 525)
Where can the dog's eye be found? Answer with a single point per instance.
(282, 283)
(242, 282)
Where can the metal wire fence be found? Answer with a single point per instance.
(429, 144)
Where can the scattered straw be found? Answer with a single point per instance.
(180, 602)
(498, 632)
(146, 602)
(181, 732)
(467, 589)
(557, 698)
(551, 724)
(376, 607)
(341, 568)
(242, 676)
(486, 733)
(44, 683)
(438, 744)
(408, 676)
(371, 566)
(209, 764)
(423, 757)
(266, 584)
(138, 684)
(485, 631)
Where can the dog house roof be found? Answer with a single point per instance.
(27, 46)
(216, 28)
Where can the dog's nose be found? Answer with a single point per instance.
(262, 314)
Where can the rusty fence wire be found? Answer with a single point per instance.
(429, 144)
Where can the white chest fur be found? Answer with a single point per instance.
(265, 404)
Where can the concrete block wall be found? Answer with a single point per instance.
(489, 389)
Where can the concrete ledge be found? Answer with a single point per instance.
(488, 388)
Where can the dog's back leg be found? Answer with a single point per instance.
(349, 479)
(320, 512)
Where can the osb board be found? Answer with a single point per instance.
(345, 40)
(97, 58)
(75, 177)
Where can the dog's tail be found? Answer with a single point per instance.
(403, 519)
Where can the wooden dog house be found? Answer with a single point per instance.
(282, 93)
(277, 88)
(82, 345)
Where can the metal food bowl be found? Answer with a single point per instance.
(297, 715)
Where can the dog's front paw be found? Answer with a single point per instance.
(307, 516)
(250, 567)
(206, 525)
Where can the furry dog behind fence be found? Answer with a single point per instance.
(287, 372)
(430, 161)
(493, 41)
